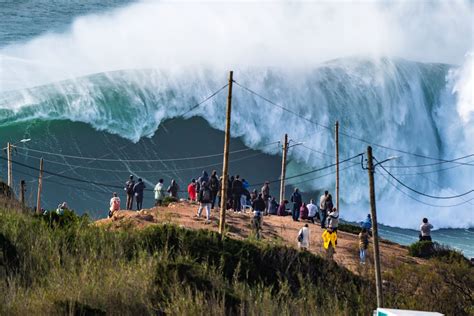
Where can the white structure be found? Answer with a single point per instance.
(402, 312)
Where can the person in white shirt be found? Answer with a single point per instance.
(159, 193)
(303, 237)
(312, 210)
(114, 204)
(333, 219)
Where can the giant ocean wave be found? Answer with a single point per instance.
(422, 108)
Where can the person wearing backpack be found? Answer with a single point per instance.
(138, 190)
(205, 200)
(173, 189)
(129, 190)
(303, 237)
(114, 204)
(214, 186)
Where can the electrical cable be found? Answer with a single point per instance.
(308, 172)
(424, 194)
(422, 202)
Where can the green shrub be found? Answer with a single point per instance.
(349, 228)
(427, 249)
(168, 200)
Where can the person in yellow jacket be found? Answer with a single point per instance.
(329, 242)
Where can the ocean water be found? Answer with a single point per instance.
(115, 80)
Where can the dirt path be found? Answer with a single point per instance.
(276, 229)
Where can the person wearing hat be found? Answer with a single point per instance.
(129, 190)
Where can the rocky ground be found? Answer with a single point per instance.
(276, 229)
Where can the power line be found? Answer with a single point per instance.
(427, 172)
(135, 160)
(433, 164)
(345, 134)
(309, 172)
(424, 194)
(143, 171)
(200, 103)
(420, 201)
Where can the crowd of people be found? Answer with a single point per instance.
(206, 190)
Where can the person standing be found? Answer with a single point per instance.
(312, 211)
(322, 209)
(425, 230)
(214, 186)
(173, 189)
(258, 207)
(192, 190)
(237, 189)
(303, 237)
(138, 190)
(204, 198)
(159, 193)
(363, 244)
(329, 242)
(333, 219)
(266, 195)
(297, 202)
(129, 190)
(327, 208)
(114, 204)
(203, 178)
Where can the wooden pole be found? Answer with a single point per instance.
(283, 169)
(9, 158)
(373, 212)
(225, 166)
(337, 166)
(22, 192)
(40, 187)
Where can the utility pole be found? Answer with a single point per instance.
(9, 158)
(40, 187)
(337, 167)
(283, 169)
(373, 212)
(225, 166)
(22, 192)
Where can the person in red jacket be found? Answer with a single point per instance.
(192, 190)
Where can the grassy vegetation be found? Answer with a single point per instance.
(428, 249)
(53, 266)
(72, 267)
